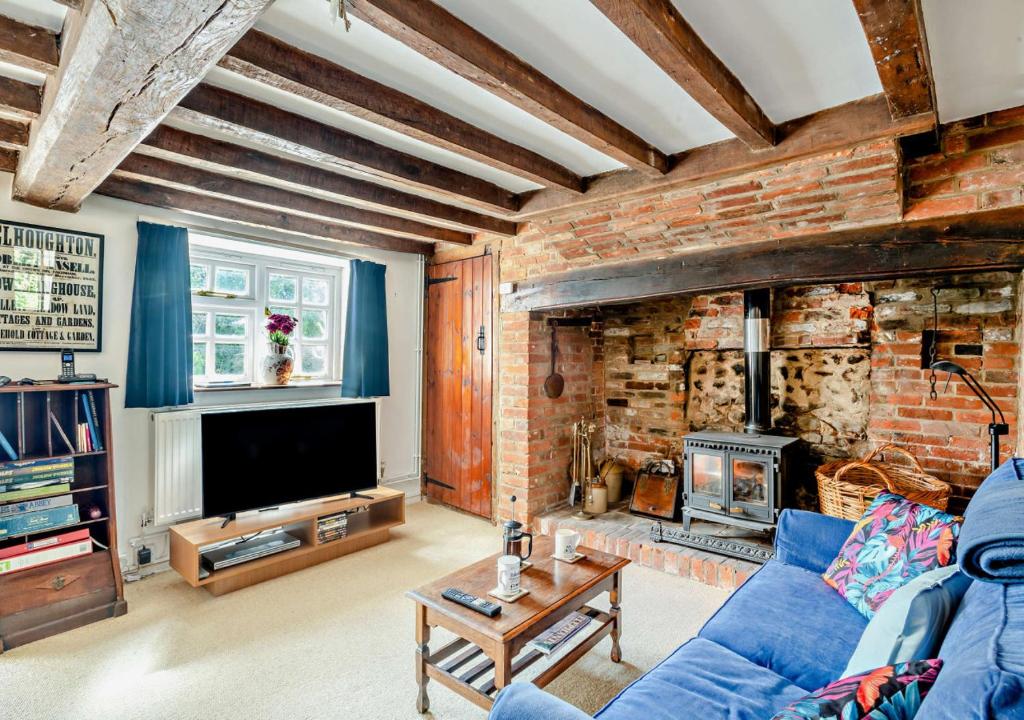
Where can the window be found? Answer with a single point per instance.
(234, 284)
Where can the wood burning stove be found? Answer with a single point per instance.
(736, 478)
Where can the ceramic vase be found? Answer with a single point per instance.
(278, 364)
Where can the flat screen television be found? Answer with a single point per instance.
(256, 459)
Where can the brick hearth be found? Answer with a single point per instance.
(628, 536)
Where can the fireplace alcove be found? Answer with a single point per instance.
(845, 376)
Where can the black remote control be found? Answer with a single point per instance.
(484, 607)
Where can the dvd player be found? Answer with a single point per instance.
(237, 553)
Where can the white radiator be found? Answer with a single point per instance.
(178, 470)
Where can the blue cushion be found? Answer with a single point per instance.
(983, 674)
(912, 623)
(788, 620)
(703, 680)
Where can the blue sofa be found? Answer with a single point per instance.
(785, 633)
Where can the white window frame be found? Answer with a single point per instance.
(261, 264)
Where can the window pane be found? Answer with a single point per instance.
(282, 288)
(314, 324)
(198, 358)
(315, 291)
(231, 280)
(314, 360)
(282, 310)
(230, 325)
(199, 320)
(199, 276)
(229, 359)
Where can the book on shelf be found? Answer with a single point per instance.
(92, 428)
(39, 521)
(33, 505)
(41, 543)
(35, 482)
(558, 634)
(83, 439)
(33, 493)
(94, 420)
(31, 467)
(6, 446)
(45, 556)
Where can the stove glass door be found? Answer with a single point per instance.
(707, 479)
(750, 486)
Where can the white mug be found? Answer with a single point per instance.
(508, 574)
(566, 542)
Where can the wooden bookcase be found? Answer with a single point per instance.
(383, 511)
(50, 599)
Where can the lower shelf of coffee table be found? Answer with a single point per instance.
(464, 666)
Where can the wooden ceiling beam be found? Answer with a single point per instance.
(435, 33)
(190, 179)
(223, 157)
(123, 66)
(661, 32)
(20, 99)
(833, 129)
(13, 133)
(28, 46)
(266, 59)
(250, 120)
(896, 35)
(983, 241)
(207, 206)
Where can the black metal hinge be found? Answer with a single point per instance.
(438, 281)
(431, 481)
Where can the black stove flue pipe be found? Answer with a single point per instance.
(757, 360)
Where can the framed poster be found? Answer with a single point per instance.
(51, 288)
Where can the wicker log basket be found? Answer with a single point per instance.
(846, 489)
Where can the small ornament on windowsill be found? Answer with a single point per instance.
(279, 361)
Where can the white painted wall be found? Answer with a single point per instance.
(115, 219)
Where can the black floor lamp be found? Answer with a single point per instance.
(995, 429)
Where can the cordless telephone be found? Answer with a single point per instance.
(67, 369)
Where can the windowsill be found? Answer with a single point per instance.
(298, 384)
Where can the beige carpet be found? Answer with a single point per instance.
(334, 641)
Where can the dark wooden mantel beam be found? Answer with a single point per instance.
(966, 243)
(434, 32)
(123, 66)
(658, 28)
(896, 35)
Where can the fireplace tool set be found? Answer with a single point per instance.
(586, 489)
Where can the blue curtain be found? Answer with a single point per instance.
(160, 344)
(365, 363)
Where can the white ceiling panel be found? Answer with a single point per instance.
(575, 45)
(794, 57)
(306, 24)
(977, 52)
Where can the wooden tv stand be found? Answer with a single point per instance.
(385, 510)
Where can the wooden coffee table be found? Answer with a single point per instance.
(488, 653)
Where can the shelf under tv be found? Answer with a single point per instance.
(385, 509)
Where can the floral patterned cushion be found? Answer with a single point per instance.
(893, 692)
(893, 543)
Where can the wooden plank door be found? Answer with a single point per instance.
(457, 457)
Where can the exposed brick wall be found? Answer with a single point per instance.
(978, 328)
(853, 187)
(979, 166)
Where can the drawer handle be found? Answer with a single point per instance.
(735, 510)
(715, 506)
(58, 582)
